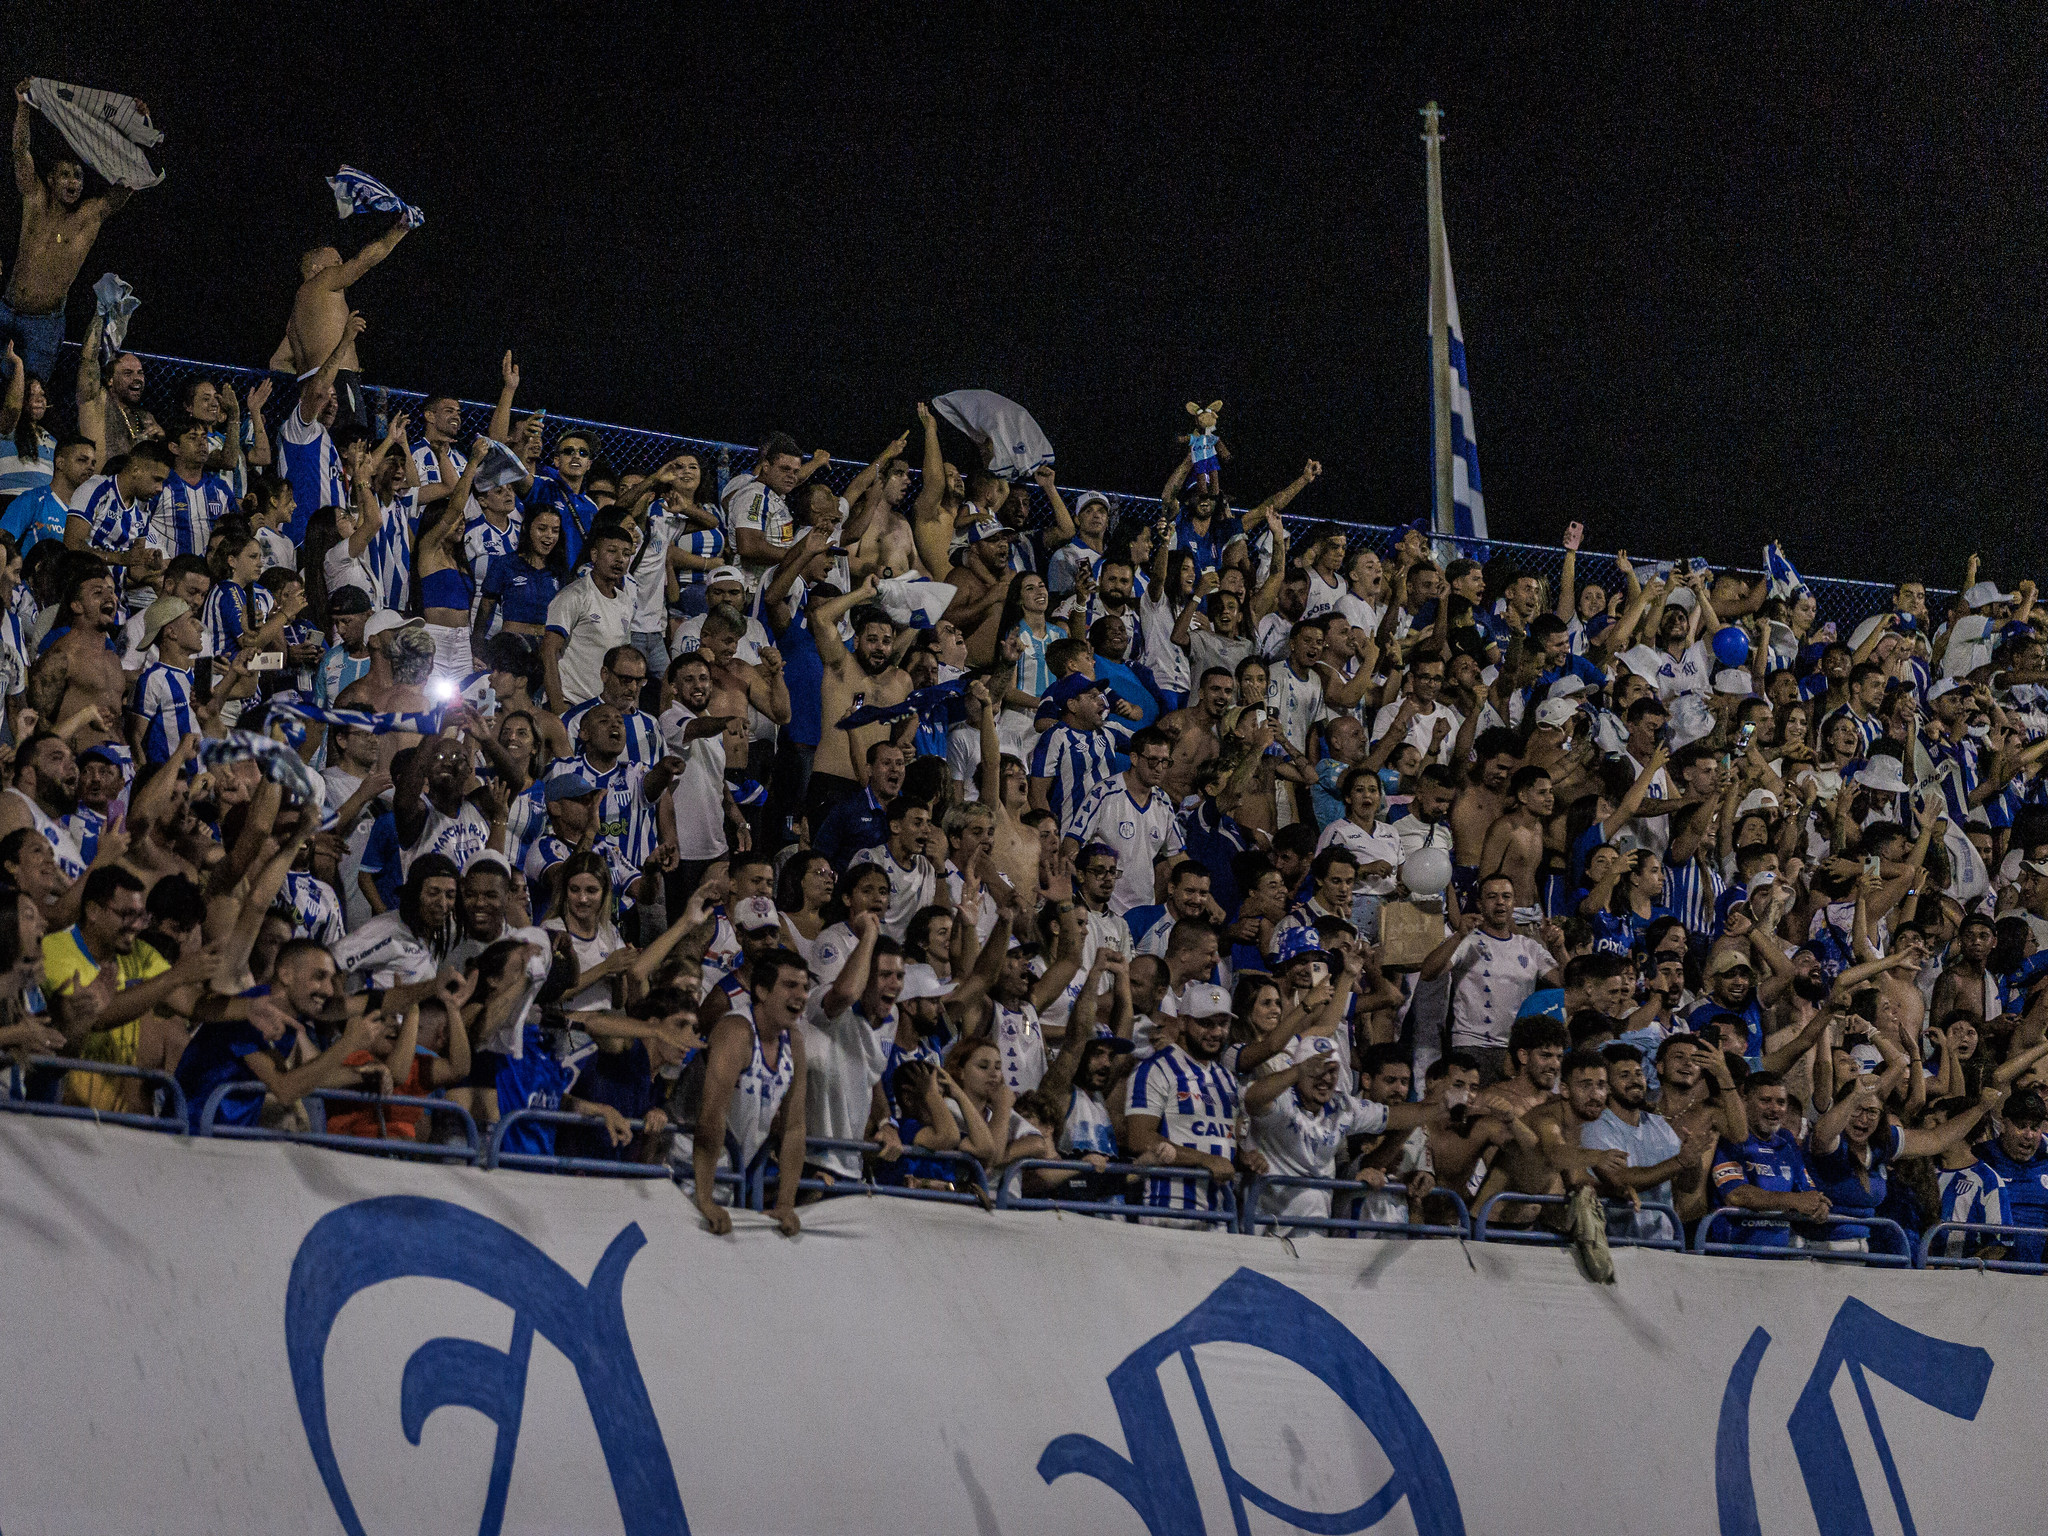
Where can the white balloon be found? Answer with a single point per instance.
(1427, 872)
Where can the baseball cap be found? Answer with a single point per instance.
(1555, 712)
(1295, 944)
(1944, 686)
(755, 912)
(1203, 1000)
(1868, 1058)
(385, 620)
(567, 786)
(1985, 593)
(344, 601)
(2031, 866)
(1733, 680)
(1116, 1045)
(1727, 960)
(726, 575)
(982, 531)
(165, 610)
(921, 980)
(1757, 800)
(1566, 687)
(1068, 687)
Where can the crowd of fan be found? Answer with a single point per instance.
(941, 816)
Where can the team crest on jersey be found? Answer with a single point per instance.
(1127, 830)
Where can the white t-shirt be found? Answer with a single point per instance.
(1323, 596)
(590, 953)
(1020, 1039)
(845, 1056)
(277, 549)
(1139, 834)
(1691, 671)
(649, 572)
(392, 954)
(699, 799)
(343, 569)
(1381, 845)
(593, 624)
(911, 889)
(1421, 729)
(1296, 703)
(1302, 1145)
(690, 637)
(1156, 616)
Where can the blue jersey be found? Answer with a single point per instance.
(313, 466)
(34, 516)
(803, 673)
(382, 859)
(2014, 985)
(219, 1053)
(231, 614)
(538, 1078)
(551, 493)
(1999, 1190)
(521, 592)
(1076, 762)
(114, 524)
(165, 698)
(1768, 1163)
(389, 556)
(336, 670)
(1853, 1189)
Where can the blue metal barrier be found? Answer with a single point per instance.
(1926, 1258)
(174, 1120)
(758, 1182)
(495, 1155)
(1485, 1233)
(422, 1150)
(1011, 1198)
(1903, 1259)
(1351, 1226)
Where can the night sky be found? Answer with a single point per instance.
(1721, 275)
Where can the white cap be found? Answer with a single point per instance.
(1985, 593)
(1555, 712)
(1565, 687)
(1643, 660)
(1691, 720)
(1735, 680)
(1946, 685)
(386, 619)
(1757, 800)
(755, 912)
(920, 980)
(1680, 597)
(1202, 999)
(726, 575)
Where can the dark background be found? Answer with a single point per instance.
(1721, 275)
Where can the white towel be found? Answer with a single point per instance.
(913, 601)
(500, 466)
(1010, 440)
(116, 304)
(109, 132)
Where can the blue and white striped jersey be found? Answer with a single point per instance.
(643, 732)
(316, 910)
(1692, 890)
(1196, 1102)
(389, 556)
(164, 696)
(313, 466)
(1076, 762)
(113, 524)
(230, 614)
(183, 514)
(21, 473)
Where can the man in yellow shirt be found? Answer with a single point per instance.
(107, 981)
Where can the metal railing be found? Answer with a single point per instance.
(1349, 1226)
(175, 1118)
(1223, 1213)
(865, 1185)
(1926, 1258)
(1484, 1230)
(1902, 1259)
(495, 1155)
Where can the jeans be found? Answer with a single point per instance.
(39, 337)
(652, 644)
(789, 783)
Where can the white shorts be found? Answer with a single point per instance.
(451, 651)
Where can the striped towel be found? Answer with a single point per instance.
(355, 189)
(499, 466)
(277, 761)
(109, 132)
(116, 303)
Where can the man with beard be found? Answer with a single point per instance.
(1197, 731)
(1697, 1097)
(1536, 1048)
(1558, 1165)
(44, 793)
(429, 809)
(58, 226)
(1089, 1064)
(853, 677)
(1660, 1159)
(862, 820)
(846, 1030)
(1183, 1107)
(888, 547)
(110, 516)
(1482, 797)
(78, 685)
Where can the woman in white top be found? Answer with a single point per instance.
(586, 917)
(863, 888)
(1375, 845)
(986, 1108)
(1324, 560)
(337, 539)
(31, 451)
(801, 896)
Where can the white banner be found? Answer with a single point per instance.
(208, 1336)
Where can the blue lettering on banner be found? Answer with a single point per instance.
(1249, 1308)
(372, 1241)
(1951, 1377)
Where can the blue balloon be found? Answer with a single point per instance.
(1731, 646)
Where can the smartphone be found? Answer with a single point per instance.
(1745, 736)
(267, 661)
(1873, 865)
(1318, 973)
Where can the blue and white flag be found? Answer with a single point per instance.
(1785, 581)
(355, 189)
(498, 466)
(115, 302)
(1469, 505)
(913, 601)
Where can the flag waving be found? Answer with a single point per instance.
(1460, 508)
(1784, 580)
(355, 189)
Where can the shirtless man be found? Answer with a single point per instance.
(735, 684)
(320, 310)
(853, 678)
(1687, 1069)
(1005, 786)
(1482, 797)
(1514, 844)
(981, 586)
(888, 545)
(401, 661)
(936, 511)
(1536, 1046)
(79, 677)
(1197, 731)
(1557, 1164)
(58, 226)
(1462, 1145)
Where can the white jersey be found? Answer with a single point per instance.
(834, 947)
(1087, 1127)
(1490, 980)
(844, 1057)
(1296, 703)
(912, 887)
(460, 837)
(1422, 729)
(755, 1099)
(1304, 1144)
(1139, 833)
(63, 843)
(1021, 1040)
(385, 949)
(1323, 596)
(590, 953)
(1196, 1102)
(1100, 931)
(1381, 844)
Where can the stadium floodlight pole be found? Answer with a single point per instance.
(1445, 518)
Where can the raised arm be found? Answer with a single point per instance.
(930, 529)
(336, 278)
(1567, 581)
(26, 182)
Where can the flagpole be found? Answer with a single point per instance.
(1445, 518)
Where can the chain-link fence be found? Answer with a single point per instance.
(630, 450)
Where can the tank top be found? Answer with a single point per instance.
(446, 589)
(1022, 1044)
(61, 841)
(755, 1099)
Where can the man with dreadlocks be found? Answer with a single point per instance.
(410, 942)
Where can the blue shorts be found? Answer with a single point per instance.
(39, 336)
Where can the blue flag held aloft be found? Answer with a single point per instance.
(355, 189)
(942, 704)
